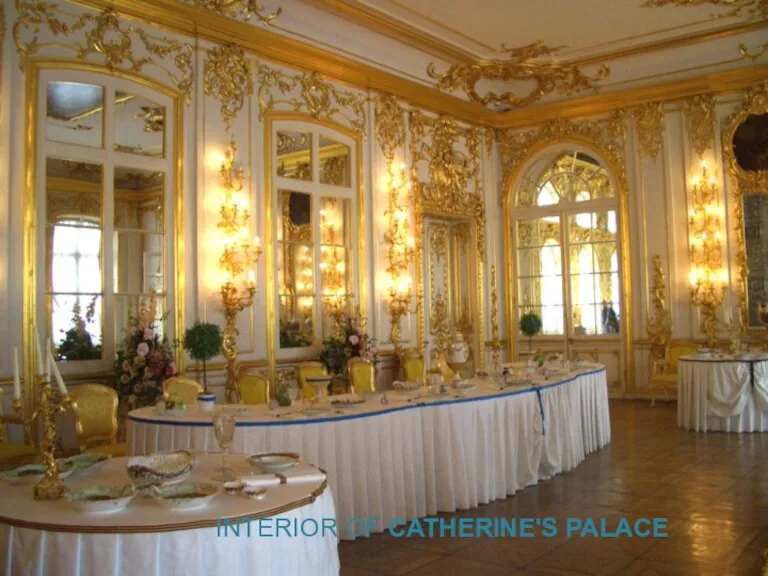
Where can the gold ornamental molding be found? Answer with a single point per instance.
(106, 36)
(659, 326)
(389, 126)
(311, 94)
(748, 8)
(649, 122)
(520, 65)
(699, 113)
(228, 77)
(238, 9)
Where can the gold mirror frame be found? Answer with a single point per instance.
(271, 219)
(613, 162)
(32, 69)
(754, 102)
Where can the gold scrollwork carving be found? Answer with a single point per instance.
(389, 125)
(439, 323)
(238, 9)
(227, 77)
(737, 7)
(105, 35)
(649, 120)
(659, 326)
(753, 56)
(316, 97)
(520, 65)
(699, 113)
(755, 102)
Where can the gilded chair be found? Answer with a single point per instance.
(413, 366)
(308, 370)
(185, 388)
(11, 452)
(253, 386)
(664, 372)
(440, 363)
(362, 375)
(95, 410)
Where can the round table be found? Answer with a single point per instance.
(50, 537)
(409, 459)
(722, 393)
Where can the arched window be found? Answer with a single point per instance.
(565, 237)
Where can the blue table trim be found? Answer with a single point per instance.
(537, 390)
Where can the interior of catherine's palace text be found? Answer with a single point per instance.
(383, 287)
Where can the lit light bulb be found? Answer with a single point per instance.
(692, 277)
(402, 165)
(251, 278)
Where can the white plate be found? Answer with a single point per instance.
(176, 497)
(274, 463)
(86, 500)
(21, 476)
(89, 461)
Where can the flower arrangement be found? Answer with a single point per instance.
(144, 361)
(348, 341)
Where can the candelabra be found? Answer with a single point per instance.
(495, 343)
(402, 248)
(238, 256)
(708, 277)
(332, 267)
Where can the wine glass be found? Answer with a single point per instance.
(224, 430)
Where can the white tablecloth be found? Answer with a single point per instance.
(408, 460)
(722, 394)
(50, 538)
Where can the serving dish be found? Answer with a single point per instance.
(33, 473)
(160, 468)
(101, 499)
(185, 496)
(89, 461)
(348, 400)
(274, 462)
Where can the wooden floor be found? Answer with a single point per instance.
(712, 487)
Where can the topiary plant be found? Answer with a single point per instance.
(203, 342)
(530, 326)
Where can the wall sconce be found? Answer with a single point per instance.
(708, 277)
(333, 267)
(402, 248)
(239, 255)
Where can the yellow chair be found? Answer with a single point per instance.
(308, 370)
(185, 388)
(362, 375)
(413, 366)
(10, 452)
(664, 373)
(95, 410)
(253, 386)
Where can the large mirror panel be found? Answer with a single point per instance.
(75, 113)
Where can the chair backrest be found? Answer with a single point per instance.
(95, 410)
(362, 375)
(674, 353)
(308, 370)
(413, 366)
(185, 388)
(253, 386)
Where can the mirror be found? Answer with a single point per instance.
(294, 155)
(75, 114)
(750, 143)
(335, 260)
(756, 244)
(139, 125)
(334, 162)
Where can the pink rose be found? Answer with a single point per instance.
(354, 340)
(142, 349)
(148, 334)
(170, 370)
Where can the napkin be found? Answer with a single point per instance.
(261, 480)
(303, 477)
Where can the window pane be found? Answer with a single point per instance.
(295, 217)
(551, 318)
(139, 199)
(73, 192)
(335, 161)
(130, 307)
(294, 155)
(139, 125)
(538, 232)
(296, 313)
(75, 113)
(139, 262)
(76, 322)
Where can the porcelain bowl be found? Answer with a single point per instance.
(32, 473)
(102, 499)
(274, 462)
(160, 468)
(186, 496)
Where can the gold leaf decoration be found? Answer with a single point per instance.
(309, 93)
(737, 7)
(238, 9)
(227, 77)
(753, 56)
(105, 36)
(699, 113)
(649, 120)
(520, 65)
(389, 125)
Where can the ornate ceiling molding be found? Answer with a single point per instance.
(649, 122)
(390, 125)
(238, 9)
(103, 35)
(699, 113)
(311, 94)
(737, 7)
(520, 65)
(228, 77)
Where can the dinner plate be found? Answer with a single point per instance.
(274, 462)
(101, 499)
(33, 473)
(186, 496)
(88, 461)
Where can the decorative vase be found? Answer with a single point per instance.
(206, 402)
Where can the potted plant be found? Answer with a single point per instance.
(530, 326)
(203, 341)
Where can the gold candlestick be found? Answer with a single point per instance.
(52, 401)
(233, 304)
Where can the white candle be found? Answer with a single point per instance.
(57, 374)
(16, 380)
(40, 370)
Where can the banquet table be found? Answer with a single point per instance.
(410, 458)
(721, 393)
(51, 537)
